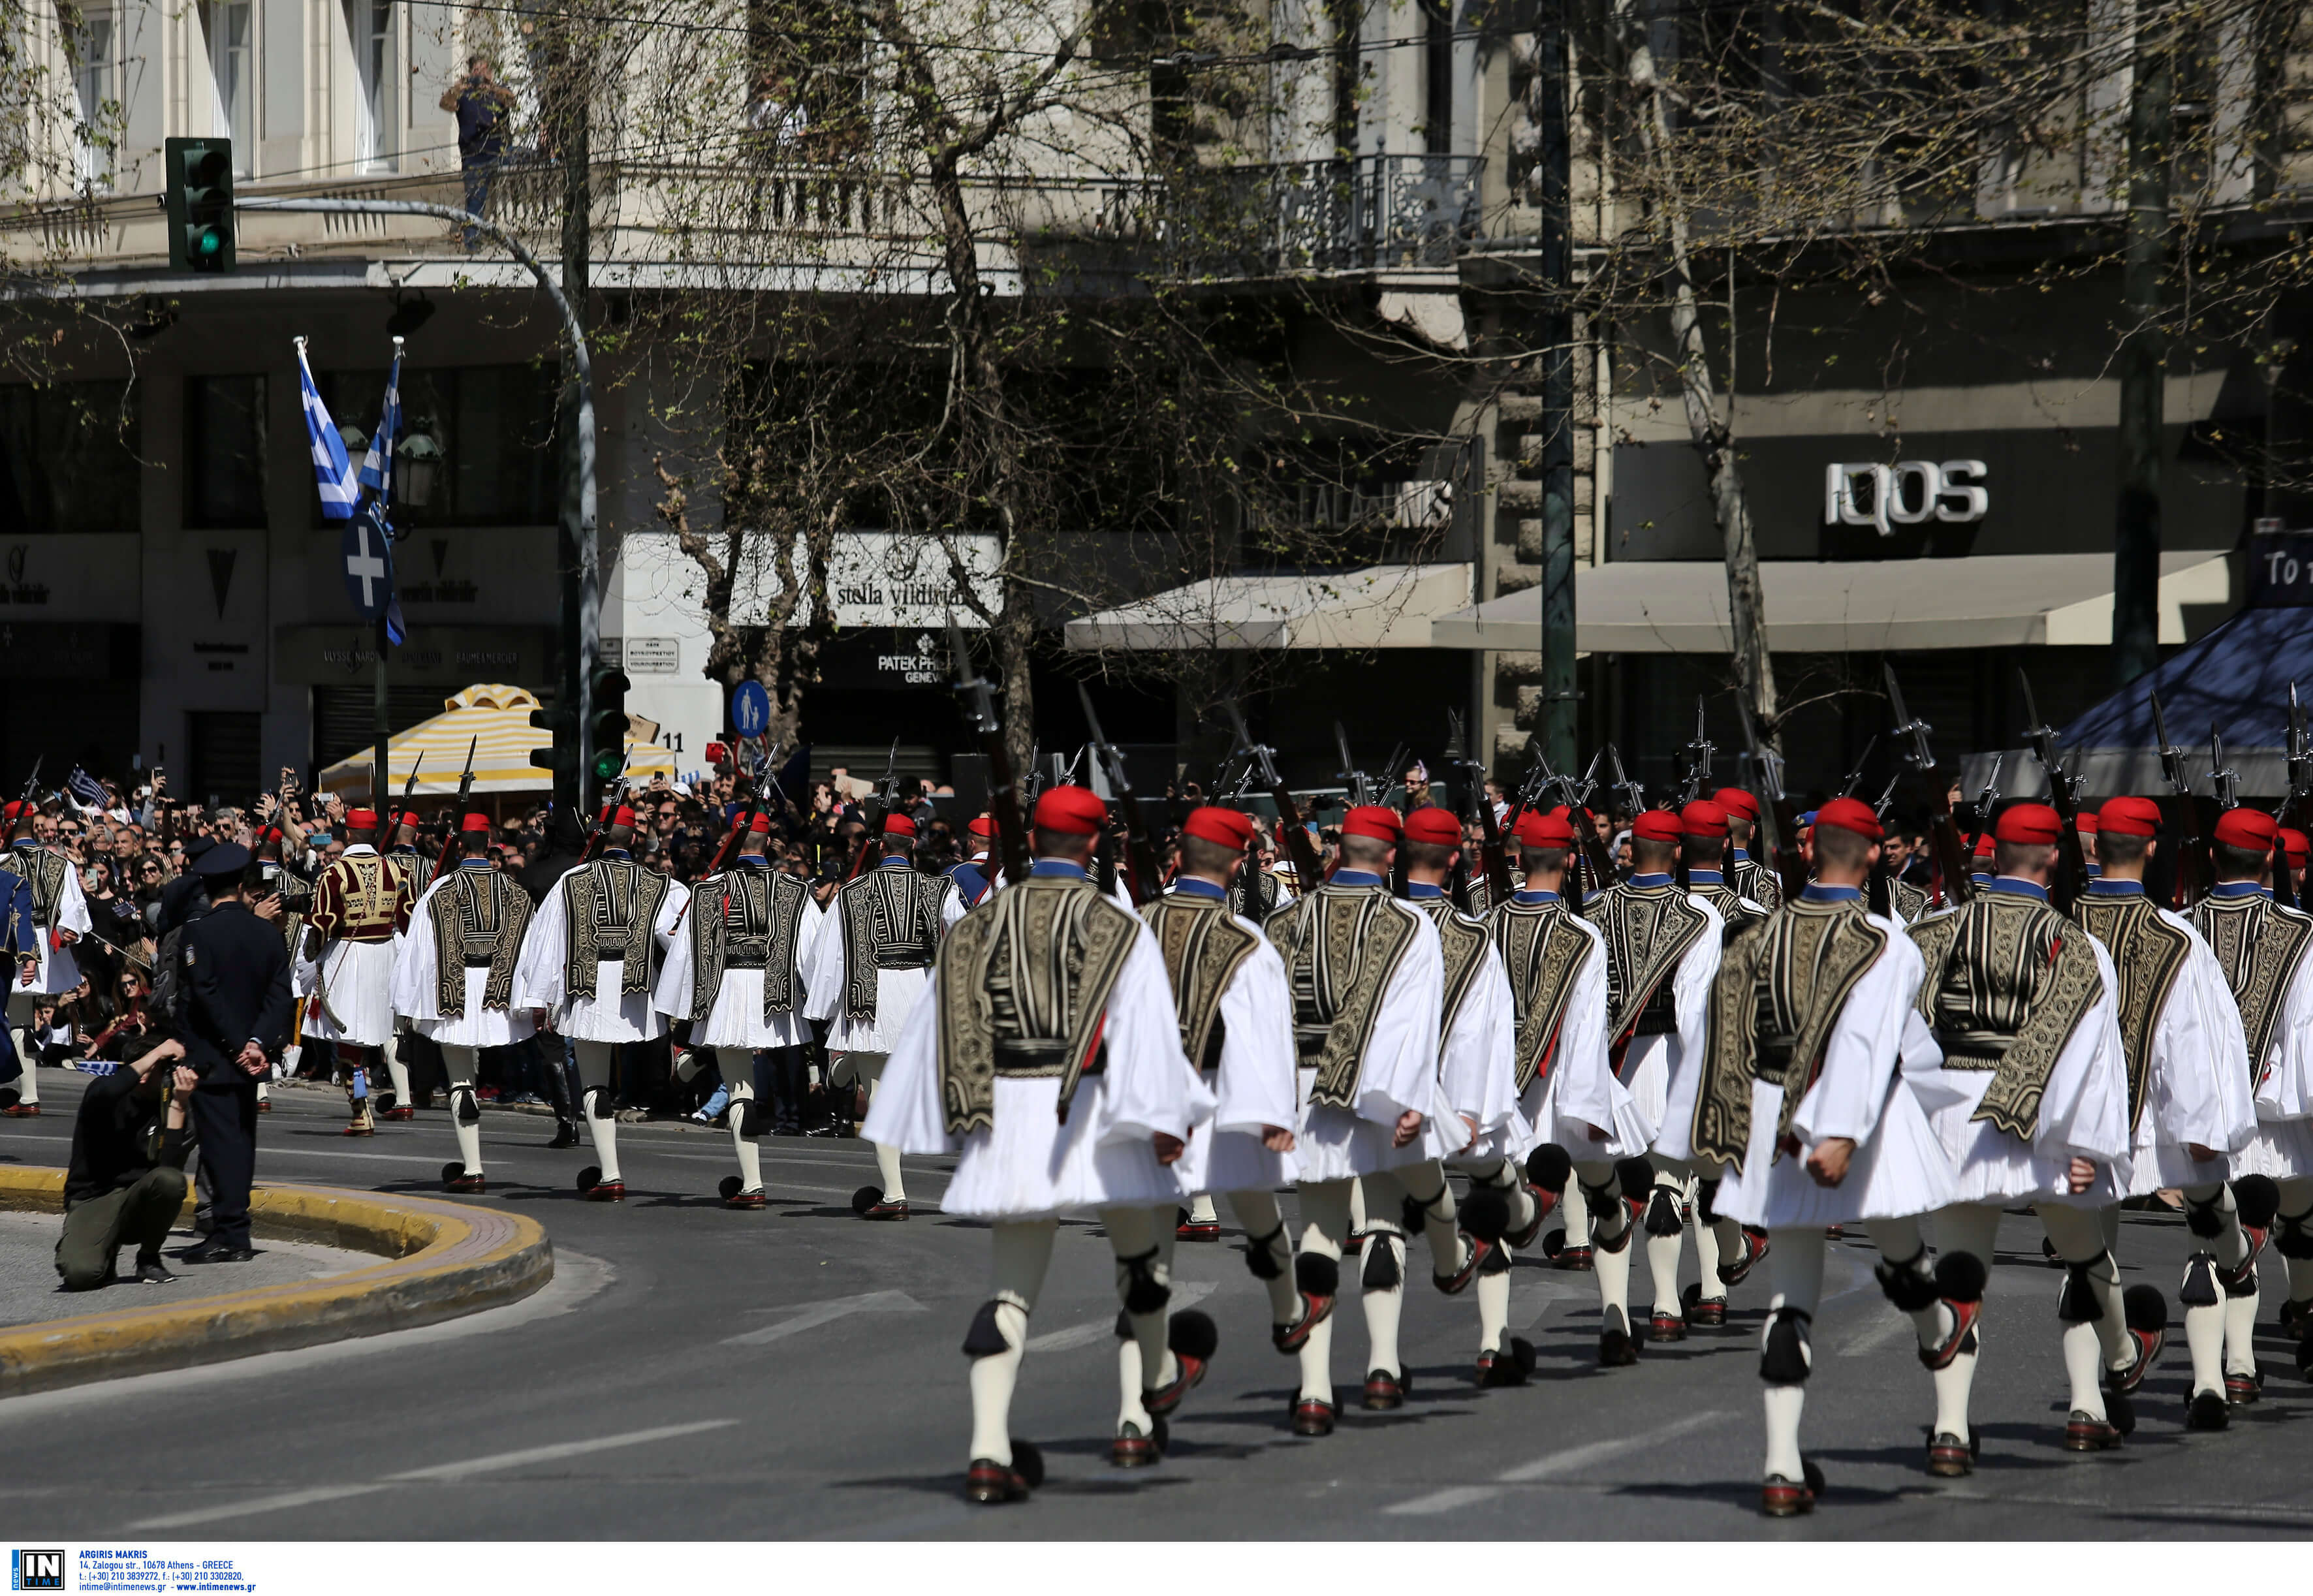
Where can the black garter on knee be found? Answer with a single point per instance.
(1908, 1284)
(985, 1339)
(1662, 1213)
(1381, 1272)
(1785, 1358)
(2204, 1219)
(1261, 1259)
(2295, 1238)
(1143, 1292)
(1706, 1198)
(2077, 1303)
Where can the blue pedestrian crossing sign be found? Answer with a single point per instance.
(750, 709)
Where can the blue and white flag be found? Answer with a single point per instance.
(85, 787)
(377, 465)
(332, 471)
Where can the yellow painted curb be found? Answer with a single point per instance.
(445, 1261)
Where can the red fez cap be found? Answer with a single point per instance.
(1735, 800)
(1545, 831)
(12, 810)
(1434, 825)
(761, 826)
(2246, 828)
(270, 834)
(1226, 827)
(1373, 820)
(1703, 817)
(2127, 817)
(1850, 814)
(2295, 841)
(1984, 844)
(620, 816)
(361, 820)
(1656, 825)
(982, 825)
(1075, 812)
(408, 817)
(2085, 821)
(475, 823)
(899, 826)
(2028, 822)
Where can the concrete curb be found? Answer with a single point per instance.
(445, 1261)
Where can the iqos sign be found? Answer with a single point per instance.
(1905, 493)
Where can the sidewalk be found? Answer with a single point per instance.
(28, 1290)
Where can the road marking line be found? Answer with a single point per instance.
(1531, 1299)
(1186, 1294)
(1555, 1466)
(1881, 1333)
(819, 1313)
(283, 1500)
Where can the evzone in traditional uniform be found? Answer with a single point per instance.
(735, 973)
(1477, 1082)
(1235, 1017)
(1749, 876)
(359, 904)
(1801, 1098)
(60, 919)
(2266, 955)
(416, 867)
(1368, 989)
(19, 940)
(453, 980)
(1584, 1123)
(2021, 1071)
(589, 961)
(1662, 951)
(296, 896)
(972, 874)
(1060, 1085)
(867, 972)
(2191, 1104)
(1728, 1251)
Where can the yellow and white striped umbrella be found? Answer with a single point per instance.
(496, 719)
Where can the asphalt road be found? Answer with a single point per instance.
(696, 1373)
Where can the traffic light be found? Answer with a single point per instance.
(199, 197)
(560, 725)
(607, 715)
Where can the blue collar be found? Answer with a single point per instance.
(895, 862)
(1706, 878)
(25, 842)
(484, 862)
(2114, 888)
(1356, 878)
(2240, 889)
(1738, 855)
(1190, 886)
(1423, 890)
(1534, 896)
(614, 854)
(1651, 877)
(1981, 878)
(2018, 886)
(1058, 867)
(1817, 892)
(2095, 870)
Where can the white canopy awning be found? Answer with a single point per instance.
(1378, 607)
(1987, 602)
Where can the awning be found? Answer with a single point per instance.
(2235, 679)
(500, 717)
(1377, 607)
(1821, 606)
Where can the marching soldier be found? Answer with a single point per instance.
(1662, 951)
(970, 873)
(2031, 1097)
(867, 973)
(1751, 878)
(2262, 949)
(1704, 828)
(410, 1044)
(21, 938)
(1060, 1085)
(1584, 1121)
(1799, 1097)
(359, 904)
(295, 892)
(734, 972)
(1369, 990)
(453, 980)
(2190, 1103)
(60, 919)
(588, 963)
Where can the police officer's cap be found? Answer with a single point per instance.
(225, 859)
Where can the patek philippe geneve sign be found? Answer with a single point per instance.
(1905, 493)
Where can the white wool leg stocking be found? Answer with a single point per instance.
(1325, 1213)
(458, 1067)
(1609, 1235)
(594, 1083)
(1971, 1228)
(1143, 1242)
(1019, 1253)
(1795, 1267)
(1265, 1227)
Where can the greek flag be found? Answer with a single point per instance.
(85, 787)
(377, 465)
(331, 469)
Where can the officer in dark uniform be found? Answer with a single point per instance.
(233, 1004)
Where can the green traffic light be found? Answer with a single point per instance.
(607, 762)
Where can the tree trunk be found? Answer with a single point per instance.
(1713, 439)
(2136, 539)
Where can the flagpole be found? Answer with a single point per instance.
(381, 725)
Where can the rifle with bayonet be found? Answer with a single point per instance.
(728, 848)
(1003, 798)
(1696, 758)
(449, 859)
(1633, 793)
(598, 825)
(1492, 856)
(1141, 854)
(2300, 767)
(1262, 760)
(2064, 797)
(1952, 859)
(886, 797)
(1591, 852)
(2193, 863)
(1779, 830)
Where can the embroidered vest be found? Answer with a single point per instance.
(1648, 931)
(1758, 884)
(1739, 916)
(2147, 954)
(478, 917)
(367, 892)
(609, 908)
(1341, 945)
(891, 920)
(1778, 993)
(1462, 939)
(2005, 988)
(750, 918)
(2260, 947)
(1543, 951)
(1024, 981)
(43, 869)
(417, 868)
(296, 895)
(1204, 947)
(1260, 902)
(1910, 902)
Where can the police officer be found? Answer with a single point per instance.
(235, 980)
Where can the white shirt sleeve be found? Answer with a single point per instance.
(672, 996)
(537, 972)
(1477, 1065)
(2084, 1111)
(414, 994)
(1148, 1086)
(1399, 1073)
(1258, 1083)
(1865, 1048)
(823, 993)
(1585, 1086)
(72, 903)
